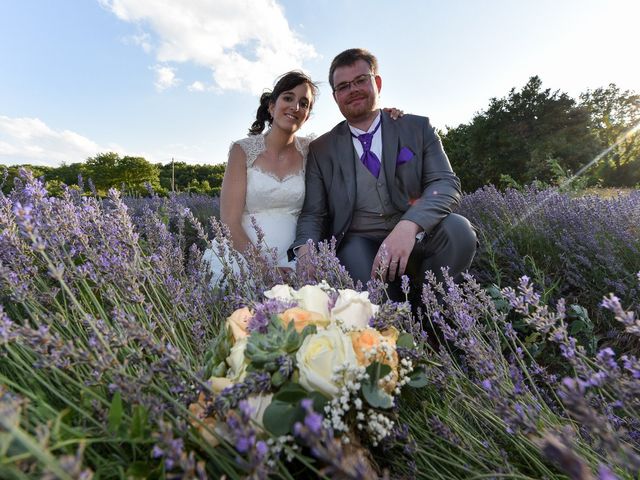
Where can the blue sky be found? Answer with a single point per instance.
(181, 78)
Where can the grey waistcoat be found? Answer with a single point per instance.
(374, 215)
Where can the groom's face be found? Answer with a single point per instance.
(356, 90)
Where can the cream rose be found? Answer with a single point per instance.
(353, 310)
(281, 292)
(219, 383)
(319, 354)
(314, 299)
(238, 323)
(237, 361)
(258, 404)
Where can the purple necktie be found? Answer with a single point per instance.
(368, 158)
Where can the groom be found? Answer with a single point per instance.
(383, 188)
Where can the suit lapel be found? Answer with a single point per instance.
(344, 155)
(390, 142)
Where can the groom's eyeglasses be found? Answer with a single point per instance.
(357, 82)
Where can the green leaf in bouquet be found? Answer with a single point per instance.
(264, 349)
(405, 340)
(418, 379)
(280, 417)
(277, 379)
(295, 339)
(372, 393)
(115, 413)
(285, 408)
(214, 360)
(291, 393)
(219, 370)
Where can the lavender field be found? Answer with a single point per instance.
(109, 332)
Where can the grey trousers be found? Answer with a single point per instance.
(451, 244)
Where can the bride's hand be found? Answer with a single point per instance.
(395, 113)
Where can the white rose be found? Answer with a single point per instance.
(281, 292)
(314, 299)
(353, 310)
(258, 404)
(319, 354)
(237, 361)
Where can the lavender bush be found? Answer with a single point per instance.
(577, 248)
(106, 324)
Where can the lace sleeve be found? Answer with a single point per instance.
(252, 147)
(303, 146)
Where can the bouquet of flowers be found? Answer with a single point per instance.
(314, 351)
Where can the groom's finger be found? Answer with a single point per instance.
(402, 266)
(393, 268)
(377, 263)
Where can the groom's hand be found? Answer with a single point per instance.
(304, 267)
(394, 252)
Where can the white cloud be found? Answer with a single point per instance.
(197, 86)
(30, 140)
(245, 43)
(165, 77)
(143, 40)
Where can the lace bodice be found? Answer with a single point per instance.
(266, 192)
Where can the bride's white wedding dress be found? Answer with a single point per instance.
(274, 202)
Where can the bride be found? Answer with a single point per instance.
(264, 178)
(265, 175)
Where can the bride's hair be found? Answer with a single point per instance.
(285, 83)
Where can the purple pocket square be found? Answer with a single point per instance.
(404, 156)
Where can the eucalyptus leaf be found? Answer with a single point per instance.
(291, 393)
(373, 394)
(405, 340)
(280, 417)
(418, 379)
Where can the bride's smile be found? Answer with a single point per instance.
(292, 106)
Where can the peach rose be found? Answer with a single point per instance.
(301, 318)
(238, 323)
(364, 341)
(204, 425)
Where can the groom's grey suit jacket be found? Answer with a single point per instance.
(419, 177)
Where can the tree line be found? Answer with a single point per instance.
(535, 134)
(133, 175)
(530, 135)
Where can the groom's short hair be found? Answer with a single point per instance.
(351, 56)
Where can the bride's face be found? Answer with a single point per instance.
(292, 108)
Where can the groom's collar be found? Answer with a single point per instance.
(356, 131)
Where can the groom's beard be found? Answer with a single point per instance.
(358, 106)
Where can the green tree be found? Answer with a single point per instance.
(109, 170)
(519, 136)
(615, 113)
(185, 174)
